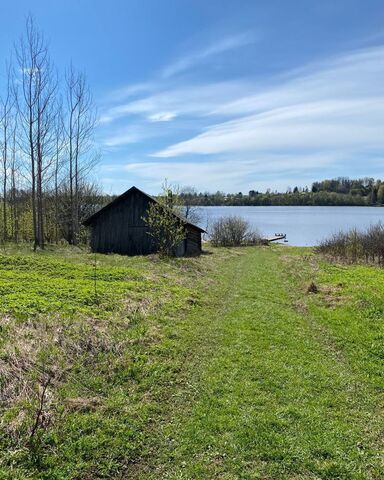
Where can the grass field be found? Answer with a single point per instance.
(218, 367)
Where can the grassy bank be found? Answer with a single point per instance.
(222, 366)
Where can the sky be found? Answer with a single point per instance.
(221, 94)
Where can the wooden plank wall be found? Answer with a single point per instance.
(193, 241)
(121, 229)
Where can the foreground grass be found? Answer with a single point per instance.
(85, 367)
(277, 396)
(217, 367)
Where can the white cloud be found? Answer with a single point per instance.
(124, 136)
(162, 116)
(339, 106)
(330, 125)
(229, 174)
(162, 95)
(129, 91)
(353, 75)
(223, 45)
(196, 100)
(326, 115)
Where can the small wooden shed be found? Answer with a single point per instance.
(119, 227)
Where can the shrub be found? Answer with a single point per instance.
(164, 223)
(166, 229)
(356, 246)
(233, 231)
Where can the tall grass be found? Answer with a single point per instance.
(356, 246)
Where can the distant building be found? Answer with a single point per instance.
(119, 227)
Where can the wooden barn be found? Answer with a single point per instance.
(119, 228)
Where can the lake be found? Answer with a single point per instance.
(304, 226)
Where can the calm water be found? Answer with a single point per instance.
(304, 226)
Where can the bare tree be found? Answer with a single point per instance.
(6, 120)
(38, 111)
(90, 199)
(14, 173)
(46, 146)
(80, 125)
(57, 168)
(191, 212)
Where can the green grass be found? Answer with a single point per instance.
(215, 367)
(31, 285)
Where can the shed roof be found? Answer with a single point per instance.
(122, 197)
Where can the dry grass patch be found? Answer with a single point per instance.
(37, 357)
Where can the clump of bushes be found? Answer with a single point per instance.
(356, 246)
(233, 231)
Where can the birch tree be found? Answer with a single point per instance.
(38, 111)
(80, 125)
(14, 174)
(6, 120)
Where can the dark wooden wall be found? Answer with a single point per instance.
(193, 241)
(121, 229)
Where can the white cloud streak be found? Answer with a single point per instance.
(196, 100)
(224, 45)
(227, 173)
(337, 106)
(162, 116)
(328, 115)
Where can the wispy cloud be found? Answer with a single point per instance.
(225, 44)
(198, 100)
(339, 125)
(338, 106)
(232, 133)
(162, 116)
(229, 173)
(164, 94)
(125, 92)
(126, 136)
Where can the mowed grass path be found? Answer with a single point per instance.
(220, 367)
(269, 393)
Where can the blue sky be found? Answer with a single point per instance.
(223, 95)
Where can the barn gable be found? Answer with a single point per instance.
(119, 227)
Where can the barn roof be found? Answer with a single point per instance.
(122, 197)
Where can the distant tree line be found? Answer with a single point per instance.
(47, 151)
(341, 191)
